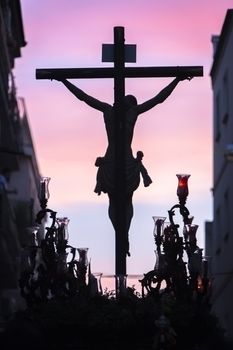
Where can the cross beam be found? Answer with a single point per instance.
(119, 73)
(128, 72)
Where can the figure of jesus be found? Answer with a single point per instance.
(105, 181)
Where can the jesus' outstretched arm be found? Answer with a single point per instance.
(82, 96)
(160, 97)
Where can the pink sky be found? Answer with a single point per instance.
(175, 137)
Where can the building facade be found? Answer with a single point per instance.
(19, 173)
(219, 233)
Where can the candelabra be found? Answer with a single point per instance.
(46, 272)
(171, 272)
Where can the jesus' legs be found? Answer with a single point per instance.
(127, 215)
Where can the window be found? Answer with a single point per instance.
(217, 118)
(227, 213)
(218, 231)
(225, 98)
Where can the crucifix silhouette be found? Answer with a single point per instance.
(119, 172)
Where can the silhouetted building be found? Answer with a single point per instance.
(219, 233)
(19, 174)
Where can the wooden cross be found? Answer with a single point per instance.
(119, 72)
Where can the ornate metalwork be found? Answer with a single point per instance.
(48, 273)
(172, 272)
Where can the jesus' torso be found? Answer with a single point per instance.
(110, 125)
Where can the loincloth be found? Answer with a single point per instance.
(106, 175)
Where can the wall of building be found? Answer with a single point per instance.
(220, 241)
(19, 173)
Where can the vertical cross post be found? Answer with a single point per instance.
(120, 173)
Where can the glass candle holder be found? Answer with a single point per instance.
(191, 233)
(83, 256)
(82, 266)
(121, 285)
(95, 284)
(159, 222)
(182, 188)
(33, 235)
(62, 230)
(44, 190)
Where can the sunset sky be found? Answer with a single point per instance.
(175, 137)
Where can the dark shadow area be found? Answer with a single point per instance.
(104, 322)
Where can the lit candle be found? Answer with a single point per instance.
(182, 189)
